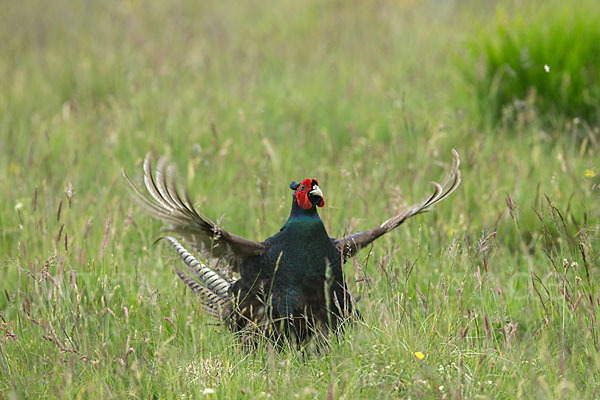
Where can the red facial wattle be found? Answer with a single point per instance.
(302, 194)
(303, 200)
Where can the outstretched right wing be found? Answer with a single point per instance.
(179, 215)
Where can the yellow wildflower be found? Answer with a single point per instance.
(13, 168)
(419, 355)
(589, 173)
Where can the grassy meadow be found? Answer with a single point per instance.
(495, 294)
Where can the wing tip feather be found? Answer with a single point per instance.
(349, 245)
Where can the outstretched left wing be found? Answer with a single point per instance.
(351, 244)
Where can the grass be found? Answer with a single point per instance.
(543, 53)
(497, 289)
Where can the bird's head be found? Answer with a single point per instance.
(308, 194)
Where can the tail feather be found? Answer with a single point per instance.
(210, 285)
(211, 304)
(211, 279)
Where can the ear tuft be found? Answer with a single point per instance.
(294, 185)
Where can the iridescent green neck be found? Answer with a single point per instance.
(299, 214)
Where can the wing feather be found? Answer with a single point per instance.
(351, 244)
(164, 202)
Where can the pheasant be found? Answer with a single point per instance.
(291, 285)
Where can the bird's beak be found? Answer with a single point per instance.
(316, 191)
(315, 194)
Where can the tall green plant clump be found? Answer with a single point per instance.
(544, 54)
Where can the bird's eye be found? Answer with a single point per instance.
(303, 187)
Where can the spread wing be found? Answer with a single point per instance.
(351, 244)
(179, 215)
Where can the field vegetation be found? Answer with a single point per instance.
(495, 294)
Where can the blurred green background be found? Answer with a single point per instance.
(494, 294)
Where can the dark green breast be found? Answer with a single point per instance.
(296, 263)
